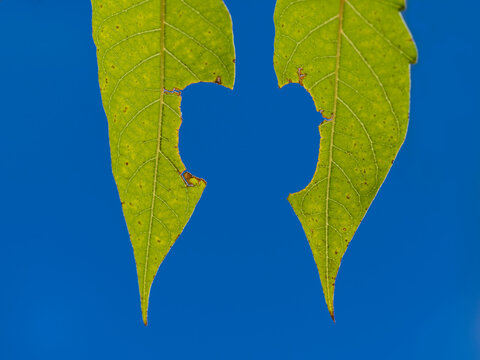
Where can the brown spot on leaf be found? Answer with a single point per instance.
(187, 177)
(218, 80)
(301, 75)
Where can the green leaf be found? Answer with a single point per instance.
(148, 51)
(353, 57)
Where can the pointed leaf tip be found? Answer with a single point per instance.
(145, 313)
(332, 313)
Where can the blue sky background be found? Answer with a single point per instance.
(240, 283)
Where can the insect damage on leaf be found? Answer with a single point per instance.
(353, 57)
(148, 52)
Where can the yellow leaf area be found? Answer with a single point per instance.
(353, 57)
(148, 52)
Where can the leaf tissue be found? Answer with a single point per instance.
(353, 57)
(148, 52)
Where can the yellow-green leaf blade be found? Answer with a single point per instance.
(354, 57)
(148, 51)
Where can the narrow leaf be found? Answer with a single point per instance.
(353, 57)
(148, 51)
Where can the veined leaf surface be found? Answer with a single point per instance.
(353, 57)
(148, 51)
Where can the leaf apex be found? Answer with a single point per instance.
(329, 299)
(144, 302)
(145, 314)
(332, 314)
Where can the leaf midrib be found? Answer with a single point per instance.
(157, 156)
(330, 161)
